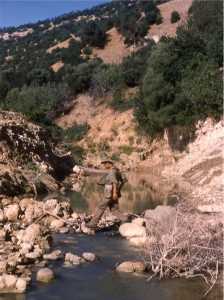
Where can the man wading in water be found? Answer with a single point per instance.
(113, 182)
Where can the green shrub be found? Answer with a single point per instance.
(79, 78)
(77, 152)
(126, 149)
(120, 103)
(107, 78)
(76, 132)
(182, 82)
(93, 34)
(133, 67)
(175, 17)
(35, 101)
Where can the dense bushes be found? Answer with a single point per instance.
(183, 82)
(107, 78)
(93, 34)
(79, 77)
(34, 101)
(133, 67)
(175, 16)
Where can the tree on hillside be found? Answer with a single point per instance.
(175, 16)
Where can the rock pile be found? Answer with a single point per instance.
(26, 228)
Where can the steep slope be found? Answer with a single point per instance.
(115, 50)
(26, 153)
(166, 28)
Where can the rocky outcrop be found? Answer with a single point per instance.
(28, 156)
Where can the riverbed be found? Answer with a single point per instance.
(99, 280)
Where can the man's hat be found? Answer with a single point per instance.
(106, 159)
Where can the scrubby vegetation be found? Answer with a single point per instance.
(183, 80)
(179, 78)
(175, 16)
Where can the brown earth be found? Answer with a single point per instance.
(115, 49)
(57, 66)
(167, 28)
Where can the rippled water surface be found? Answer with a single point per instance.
(98, 280)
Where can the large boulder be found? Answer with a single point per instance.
(131, 267)
(21, 285)
(45, 275)
(130, 230)
(30, 234)
(57, 224)
(11, 212)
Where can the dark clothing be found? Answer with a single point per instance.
(113, 177)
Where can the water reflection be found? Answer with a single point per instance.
(12, 297)
(138, 194)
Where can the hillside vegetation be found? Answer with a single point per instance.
(179, 79)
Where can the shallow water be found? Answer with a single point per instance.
(138, 194)
(99, 281)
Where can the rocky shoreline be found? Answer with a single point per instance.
(27, 227)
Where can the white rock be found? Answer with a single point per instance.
(2, 235)
(21, 285)
(3, 266)
(75, 216)
(129, 230)
(31, 233)
(131, 267)
(88, 256)
(73, 259)
(57, 224)
(45, 275)
(9, 280)
(11, 212)
(1, 215)
(2, 283)
(56, 254)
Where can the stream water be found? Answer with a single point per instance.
(98, 280)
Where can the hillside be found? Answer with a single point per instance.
(114, 77)
(142, 83)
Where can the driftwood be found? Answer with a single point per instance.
(192, 248)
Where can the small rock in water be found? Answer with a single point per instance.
(64, 230)
(131, 267)
(87, 230)
(45, 275)
(88, 256)
(53, 255)
(73, 259)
